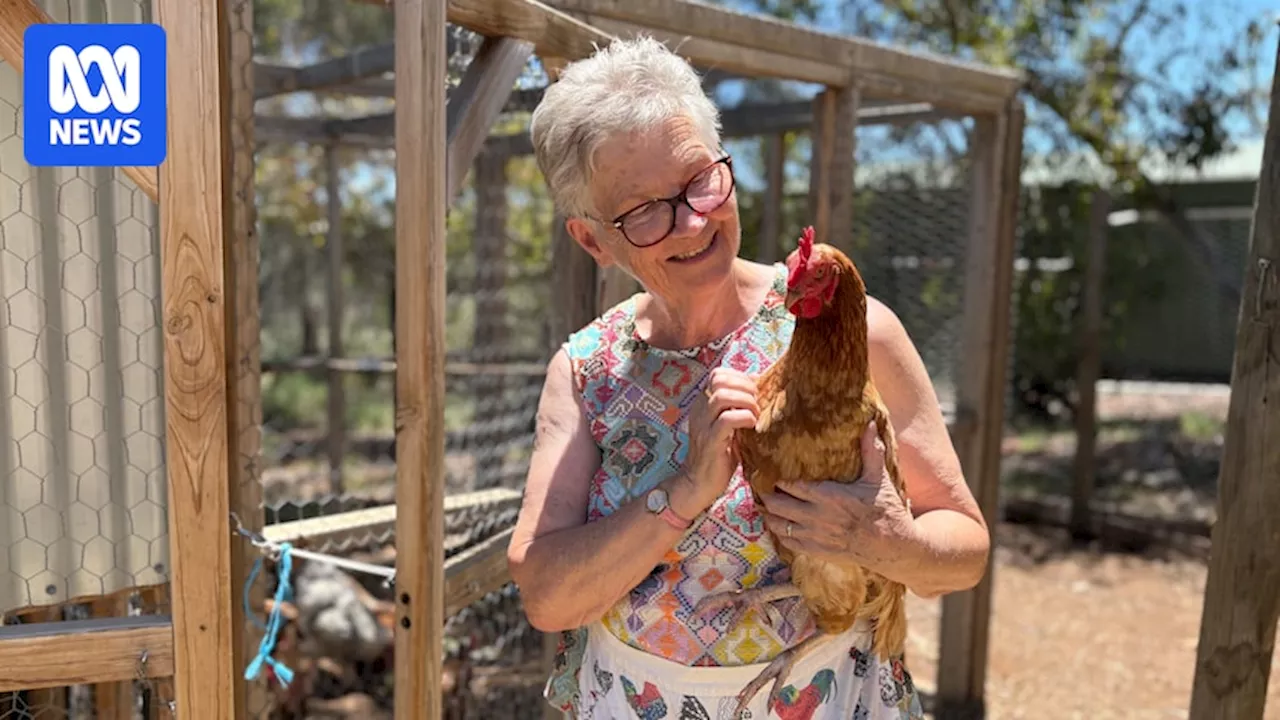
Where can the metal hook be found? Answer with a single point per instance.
(257, 539)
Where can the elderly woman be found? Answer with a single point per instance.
(635, 507)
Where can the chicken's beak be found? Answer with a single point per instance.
(793, 297)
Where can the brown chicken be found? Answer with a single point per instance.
(815, 403)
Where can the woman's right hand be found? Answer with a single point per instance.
(727, 404)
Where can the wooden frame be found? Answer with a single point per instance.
(199, 307)
(105, 650)
(979, 424)
(1242, 591)
(421, 201)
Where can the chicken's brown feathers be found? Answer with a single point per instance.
(815, 403)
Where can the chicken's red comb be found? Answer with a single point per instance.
(799, 259)
(806, 244)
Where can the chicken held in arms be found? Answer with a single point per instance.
(816, 402)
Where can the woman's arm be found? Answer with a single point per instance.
(570, 572)
(953, 541)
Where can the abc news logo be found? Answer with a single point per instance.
(94, 95)
(69, 90)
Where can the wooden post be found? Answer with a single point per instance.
(574, 284)
(1242, 593)
(114, 700)
(1089, 365)
(615, 285)
(997, 149)
(835, 122)
(775, 159)
(478, 101)
(420, 352)
(337, 418)
(199, 321)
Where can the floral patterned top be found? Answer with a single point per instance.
(636, 399)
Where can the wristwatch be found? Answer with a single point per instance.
(656, 502)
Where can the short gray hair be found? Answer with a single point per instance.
(630, 85)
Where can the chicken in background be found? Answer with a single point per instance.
(815, 404)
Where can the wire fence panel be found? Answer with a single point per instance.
(329, 467)
(82, 420)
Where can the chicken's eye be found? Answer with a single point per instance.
(822, 271)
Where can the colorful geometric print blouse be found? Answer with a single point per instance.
(636, 399)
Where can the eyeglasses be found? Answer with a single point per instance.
(650, 223)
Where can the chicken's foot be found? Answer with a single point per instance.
(778, 670)
(742, 600)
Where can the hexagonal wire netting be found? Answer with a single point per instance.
(83, 510)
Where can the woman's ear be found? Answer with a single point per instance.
(583, 232)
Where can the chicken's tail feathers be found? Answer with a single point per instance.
(889, 608)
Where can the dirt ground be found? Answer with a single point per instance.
(1100, 632)
(1082, 634)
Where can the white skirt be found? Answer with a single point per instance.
(838, 678)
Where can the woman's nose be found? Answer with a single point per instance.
(688, 221)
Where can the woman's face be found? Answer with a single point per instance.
(635, 169)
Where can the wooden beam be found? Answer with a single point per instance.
(15, 17)
(199, 316)
(745, 60)
(750, 120)
(478, 101)
(421, 204)
(880, 70)
(574, 284)
(112, 700)
(553, 33)
(367, 63)
(831, 169)
(83, 652)
(1089, 364)
(1242, 592)
(615, 286)
(979, 423)
(477, 571)
(378, 520)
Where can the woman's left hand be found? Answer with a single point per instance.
(864, 522)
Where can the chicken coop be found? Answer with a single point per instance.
(285, 383)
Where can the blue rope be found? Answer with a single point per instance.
(272, 629)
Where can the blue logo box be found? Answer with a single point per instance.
(94, 95)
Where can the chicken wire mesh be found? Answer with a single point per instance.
(327, 309)
(911, 213)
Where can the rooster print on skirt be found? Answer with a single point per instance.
(647, 703)
(793, 704)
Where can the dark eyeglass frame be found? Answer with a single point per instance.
(676, 200)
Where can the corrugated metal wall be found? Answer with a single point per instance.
(82, 416)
